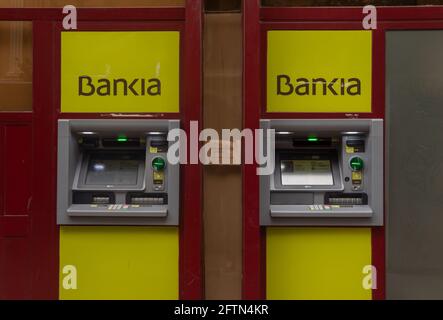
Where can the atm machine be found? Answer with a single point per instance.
(115, 172)
(117, 209)
(327, 173)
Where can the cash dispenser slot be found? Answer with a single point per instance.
(313, 142)
(144, 199)
(121, 142)
(349, 199)
(88, 142)
(85, 197)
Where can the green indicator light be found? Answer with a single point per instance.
(312, 139)
(356, 163)
(158, 164)
(122, 139)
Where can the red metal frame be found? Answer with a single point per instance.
(95, 14)
(191, 237)
(256, 21)
(254, 276)
(43, 238)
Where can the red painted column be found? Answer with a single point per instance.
(253, 250)
(44, 233)
(191, 269)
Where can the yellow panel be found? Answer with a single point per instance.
(308, 55)
(145, 63)
(120, 262)
(317, 263)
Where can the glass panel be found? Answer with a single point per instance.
(415, 164)
(321, 3)
(90, 3)
(15, 66)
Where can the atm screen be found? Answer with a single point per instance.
(112, 169)
(306, 172)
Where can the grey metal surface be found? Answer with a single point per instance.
(299, 211)
(284, 212)
(414, 109)
(84, 210)
(70, 164)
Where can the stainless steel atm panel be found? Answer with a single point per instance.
(327, 172)
(115, 172)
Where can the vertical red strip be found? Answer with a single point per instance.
(2, 169)
(378, 74)
(378, 96)
(191, 270)
(44, 232)
(253, 261)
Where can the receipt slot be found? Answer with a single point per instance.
(115, 172)
(327, 172)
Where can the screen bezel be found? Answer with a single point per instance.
(331, 155)
(82, 171)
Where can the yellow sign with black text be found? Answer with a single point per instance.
(319, 71)
(134, 71)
